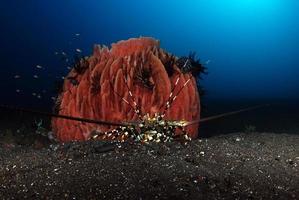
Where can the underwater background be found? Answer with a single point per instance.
(251, 48)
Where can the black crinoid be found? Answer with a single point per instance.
(80, 64)
(96, 83)
(143, 76)
(191, 64)
(168, 63)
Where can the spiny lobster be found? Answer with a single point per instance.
(146, 128)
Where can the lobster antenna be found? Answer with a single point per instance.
(93, 121)
(126, 101)
(137, 107)
(214, 117)
(171, 94)
(170, 99)
(175, 84)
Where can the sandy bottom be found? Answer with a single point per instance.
(245, 166)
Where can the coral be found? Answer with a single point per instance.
(106, 80)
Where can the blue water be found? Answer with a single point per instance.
(252, 45)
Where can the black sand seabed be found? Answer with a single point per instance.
(234, 166)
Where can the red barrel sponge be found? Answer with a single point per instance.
(121, 84)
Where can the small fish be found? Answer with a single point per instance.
(17, 76)
(63, 53)
(79, 50)
(39, 96)
(56, 53)
(53, 98)
(33, 94)
(39, 66)
(35, 76)
(18, 91)
(77, 34)
(207, 62)
(69, 68)
(62, 77)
